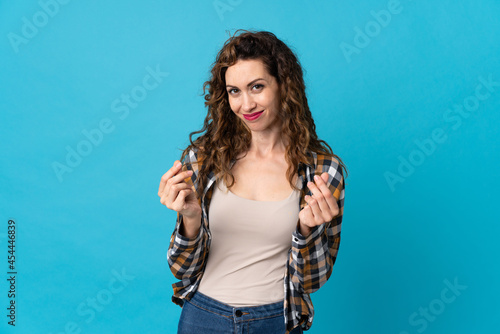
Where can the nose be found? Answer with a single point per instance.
(248, 104)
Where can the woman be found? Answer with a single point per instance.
(253, 267)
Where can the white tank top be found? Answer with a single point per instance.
(249, 248)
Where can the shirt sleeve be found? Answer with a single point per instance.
(186, 256)
(312, 257)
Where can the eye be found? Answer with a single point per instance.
(258, 86)
(231, 90)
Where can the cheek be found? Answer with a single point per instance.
(272, 99)
(273, 102)
(233, 104)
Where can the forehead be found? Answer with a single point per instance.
(244, 71)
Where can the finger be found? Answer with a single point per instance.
(325, 176)
(335, 207)
(175, 188)
(318, 215)
(172, 192)
(165, 177)
(180, 201)
(319, 190)
(179, 178)
(306, 217)
(329, 199)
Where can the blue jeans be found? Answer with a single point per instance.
(206, 315)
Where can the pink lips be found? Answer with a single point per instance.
(253, 116)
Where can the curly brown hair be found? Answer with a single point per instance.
(226, 136)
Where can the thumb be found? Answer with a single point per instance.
(325, 176)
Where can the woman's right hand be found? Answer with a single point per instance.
(176, 194)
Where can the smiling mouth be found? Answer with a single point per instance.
(253, 116)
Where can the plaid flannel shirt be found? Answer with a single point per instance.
(310, 259)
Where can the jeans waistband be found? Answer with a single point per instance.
(237, 313)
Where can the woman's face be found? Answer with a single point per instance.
(253, 94)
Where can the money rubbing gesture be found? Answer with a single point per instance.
(322, 206)
(179, 196)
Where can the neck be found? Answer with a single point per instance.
(267, 144)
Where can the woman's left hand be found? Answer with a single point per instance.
(322, 206)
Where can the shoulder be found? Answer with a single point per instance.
(326, 163)
(326, 160)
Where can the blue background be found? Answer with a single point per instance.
(401, 243)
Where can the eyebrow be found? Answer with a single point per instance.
(249, 84)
